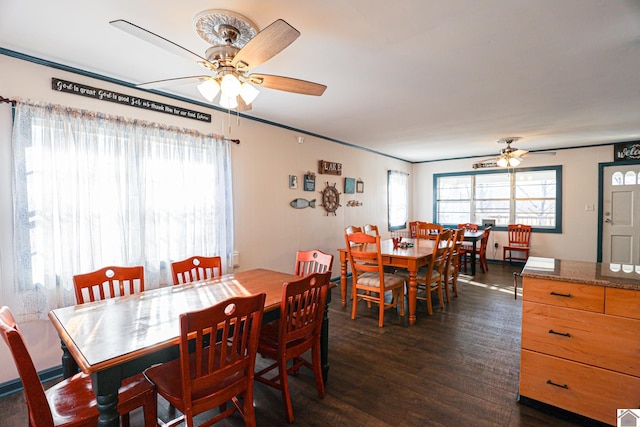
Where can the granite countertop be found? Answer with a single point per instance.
(592, 273)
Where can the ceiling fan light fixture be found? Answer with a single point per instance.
(503, 162)
(230, 85)
(248, 93)
(209, 89)
(228, 102)
(514, 161)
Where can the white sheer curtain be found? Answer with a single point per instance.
(92, 190)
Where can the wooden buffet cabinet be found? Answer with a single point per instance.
(580, 348)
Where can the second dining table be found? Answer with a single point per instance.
(411, 258)
(118, 337)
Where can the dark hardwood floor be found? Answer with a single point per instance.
(458, 367)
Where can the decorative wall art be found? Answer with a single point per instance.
(293, 182)
(330, 168)
(309, 181)
(349, 185)
(353, 203)
(300, 203)
(330, 199)
(359, 186)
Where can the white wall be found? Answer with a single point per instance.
(267, 230)
(579, 238)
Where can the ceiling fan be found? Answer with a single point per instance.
(509, 156)
(236, 48)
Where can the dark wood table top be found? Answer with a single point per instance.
(106, 333)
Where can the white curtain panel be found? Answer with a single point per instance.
(92, 190)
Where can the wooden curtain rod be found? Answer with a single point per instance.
(7, 100)
(4, 100)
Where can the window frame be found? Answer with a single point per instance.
(558, 212)
(406, 219)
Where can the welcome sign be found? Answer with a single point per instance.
(626, 151)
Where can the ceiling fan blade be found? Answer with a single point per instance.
(287, 84)
(242, 106)
(172, 82)
(519, 153)
(265, 45)
(540, 153)
(161, 42)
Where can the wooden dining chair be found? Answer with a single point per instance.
(519, 236)
(413, 228)
(453, 263)
(352, 229)
(431, 278)
(71, 402)
(196, 268)
(293, 334)
(371, 229)
(108, 282)
(481, 253)
(220, 366)
(313, 261)
(427, 230)
(468, 226)
(369, 280)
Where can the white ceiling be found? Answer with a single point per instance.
(418, 80)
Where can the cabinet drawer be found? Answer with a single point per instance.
(622, 302)
(596, 339)
(593, 392)
(564, 294)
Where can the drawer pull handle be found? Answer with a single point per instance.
(558, 385)
(564, 334)
(560, 295)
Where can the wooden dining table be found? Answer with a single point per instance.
(411, 258)
(118, 337)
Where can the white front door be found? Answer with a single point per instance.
(621, 215)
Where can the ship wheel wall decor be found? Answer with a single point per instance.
(330, 199)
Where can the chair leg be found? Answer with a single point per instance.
(150, 410)
(454, 282)
(429, 302)
(247, 407)
(286, 393)
(381, 310)
(317, 369)
(354, 302)
(445, 282)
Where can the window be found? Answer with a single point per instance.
(529, 196)
(92, 191)
(398, 199)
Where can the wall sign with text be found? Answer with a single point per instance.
(123, 99)
(626, 151)
(330, 168)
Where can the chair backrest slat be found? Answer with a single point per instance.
(108, 282)
(196, 268)
(313, 261)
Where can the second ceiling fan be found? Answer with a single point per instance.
(236, 48)
(509, 156)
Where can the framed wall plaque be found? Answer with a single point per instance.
(309, 181)
(349, 185)
(359, 186)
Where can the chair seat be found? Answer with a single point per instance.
(167, 378)
(73, 398)
(373, 280)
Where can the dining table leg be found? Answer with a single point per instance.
(413, 294)
(69, 365)
(343, 278)
(473, 257)
(105, 385)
